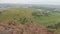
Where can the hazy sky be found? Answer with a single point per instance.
(31, 1)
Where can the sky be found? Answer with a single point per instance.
(31, 1)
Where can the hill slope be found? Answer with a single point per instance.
(29, 15)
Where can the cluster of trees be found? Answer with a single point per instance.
(38, 14)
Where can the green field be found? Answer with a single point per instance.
(29, 15)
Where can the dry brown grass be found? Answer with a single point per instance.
(17, 28)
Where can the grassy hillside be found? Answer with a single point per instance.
(29, 15)
(15, 14)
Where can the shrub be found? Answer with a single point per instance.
(56, 26)
(36, 14)
(0, 13)
(24, 20)
(46, 14)
(51, 27)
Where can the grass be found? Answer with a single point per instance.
(12, 13)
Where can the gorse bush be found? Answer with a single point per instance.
(36, 14)
(24, 20)
(51, 27)
(0, 13)
(56, 26)
(46, 14)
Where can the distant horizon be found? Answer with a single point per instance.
(49, 2)
(35, 3)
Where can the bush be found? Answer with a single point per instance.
(51, 27)
(0, 13)
(46, 14)
(56, 26)
(36, 14)
(24, 20)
